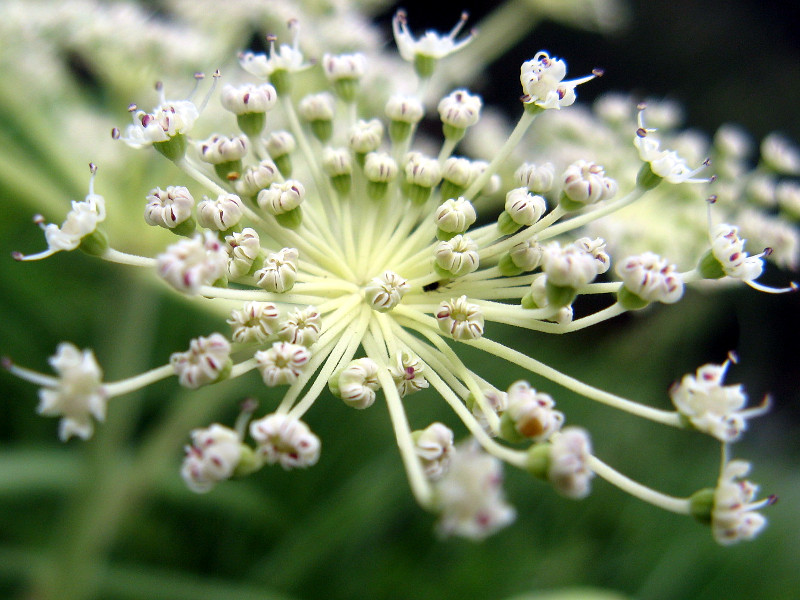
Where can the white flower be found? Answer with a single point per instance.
(728, 248)
(365, 136)
(408, 373)
(711, 407)
(527, 255)
(585, 182)
(404, 109)
(455, 215)
(458, 255)
(249, 98)
(532, 413)
(460, 318)
(568, 468)
(470, 496)
(523, 207)
(279, 272)
(243, 248)
(204, 362)
(385, 292)
(283, 363)
(497, 402)
(286, 58)
(666, 164)
(422, 171)
(317, 107)
(283, 197)
(254, 322)
(344, 66)
(213, 456)
(189, 264)
(570, 266)
(734, 516)
(357, 383)
(221, 213)
(257, 177)
(543, 84)
(434, 446)
(77, 395)
(537, 178)
(168, 208)
(221, 149)
(460, 109)
(780, 154)
(431, 44)
(651, 278)
(284, 440)
(301, 326)
(80, 222)
(167, 120)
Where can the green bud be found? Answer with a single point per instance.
(508, 430)
(322, 129)
(251, 124)
(445, 235)
(506, 225)
(418, 194)
(528, 301)
(249, 462)
(281, 80)
(174, 148)
(701, 504)
(629, 300)
(507, 266)
(284, 164)
(341, 183)
(449, 190)
(333, 383)
(709, 267)
(346, 89)
(424, 65)
(559, 296)
(94, 243)
(568, 204)
(399, 131)
(453, 133)
(646, 179)
(186, 228)
(291, 219)
(377, 189)
(229, 170)
(537, 463)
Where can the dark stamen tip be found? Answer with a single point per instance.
(641, 132)
(773, 499)
(767, 251)
(712, 199)
(641, 106)
(6, 363)
(18, 256)
(92, 168)
(597, 72)
(115, 133)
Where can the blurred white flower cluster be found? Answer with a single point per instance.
(356, 255)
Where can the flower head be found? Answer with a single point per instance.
(286, 441)
(77, 395)
(712, 407)
(543, 84)
(735, 515)
(212, 457)
(431, 44)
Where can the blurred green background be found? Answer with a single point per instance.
(111, 518)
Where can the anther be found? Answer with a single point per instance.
(132, 107)
(199, 75)
(598, 72)
(7, 363)
(772, 499)
(733, 357)
(641, 132)
(159, 86)
(18, 256)
(712, 199)
(115, 133)
(641, 106)
(92, 168)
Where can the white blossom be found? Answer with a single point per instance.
(212, 457)
(358, 382)
(712, 407)
(460, 318)
(523, 207)
(667, 164)
(570, 266)
(728, 248)
(283, 363)
(458, 255)
(585, 182)
(286, 441)
(254, 322)
(543, 84)
(460, 109)
(283, 197)
(734, 516)
(189, 264)
(249, 98)
(385, 292)
(220, 213)
(537, 178)
(434, 446)
(408, 373)
(77, 395)
(431, 44)
(168, 208)
(651, 278)
(204, 362)
(243, 248)
(531, 412)
(455, 215)
(167, 120)
(221, 149)
(279, 272)
(405, 109)
(568, 468)
(301, 326)
(470, 496)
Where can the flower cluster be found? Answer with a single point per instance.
(355, 264)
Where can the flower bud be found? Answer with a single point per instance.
(357, 382)
(286, 441)
(279, 272)
(213, 457)
(523, 207)
(407, 373)
(301, 326)
(281, 198)
(434, 446)
(282, 364)
(244, 249)
(457, 256)
(169, 208)
(254, 322)
(221, 214)
(460, 318)
(206, 361)
(455, 216)
(537, 178)
(385, 292)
